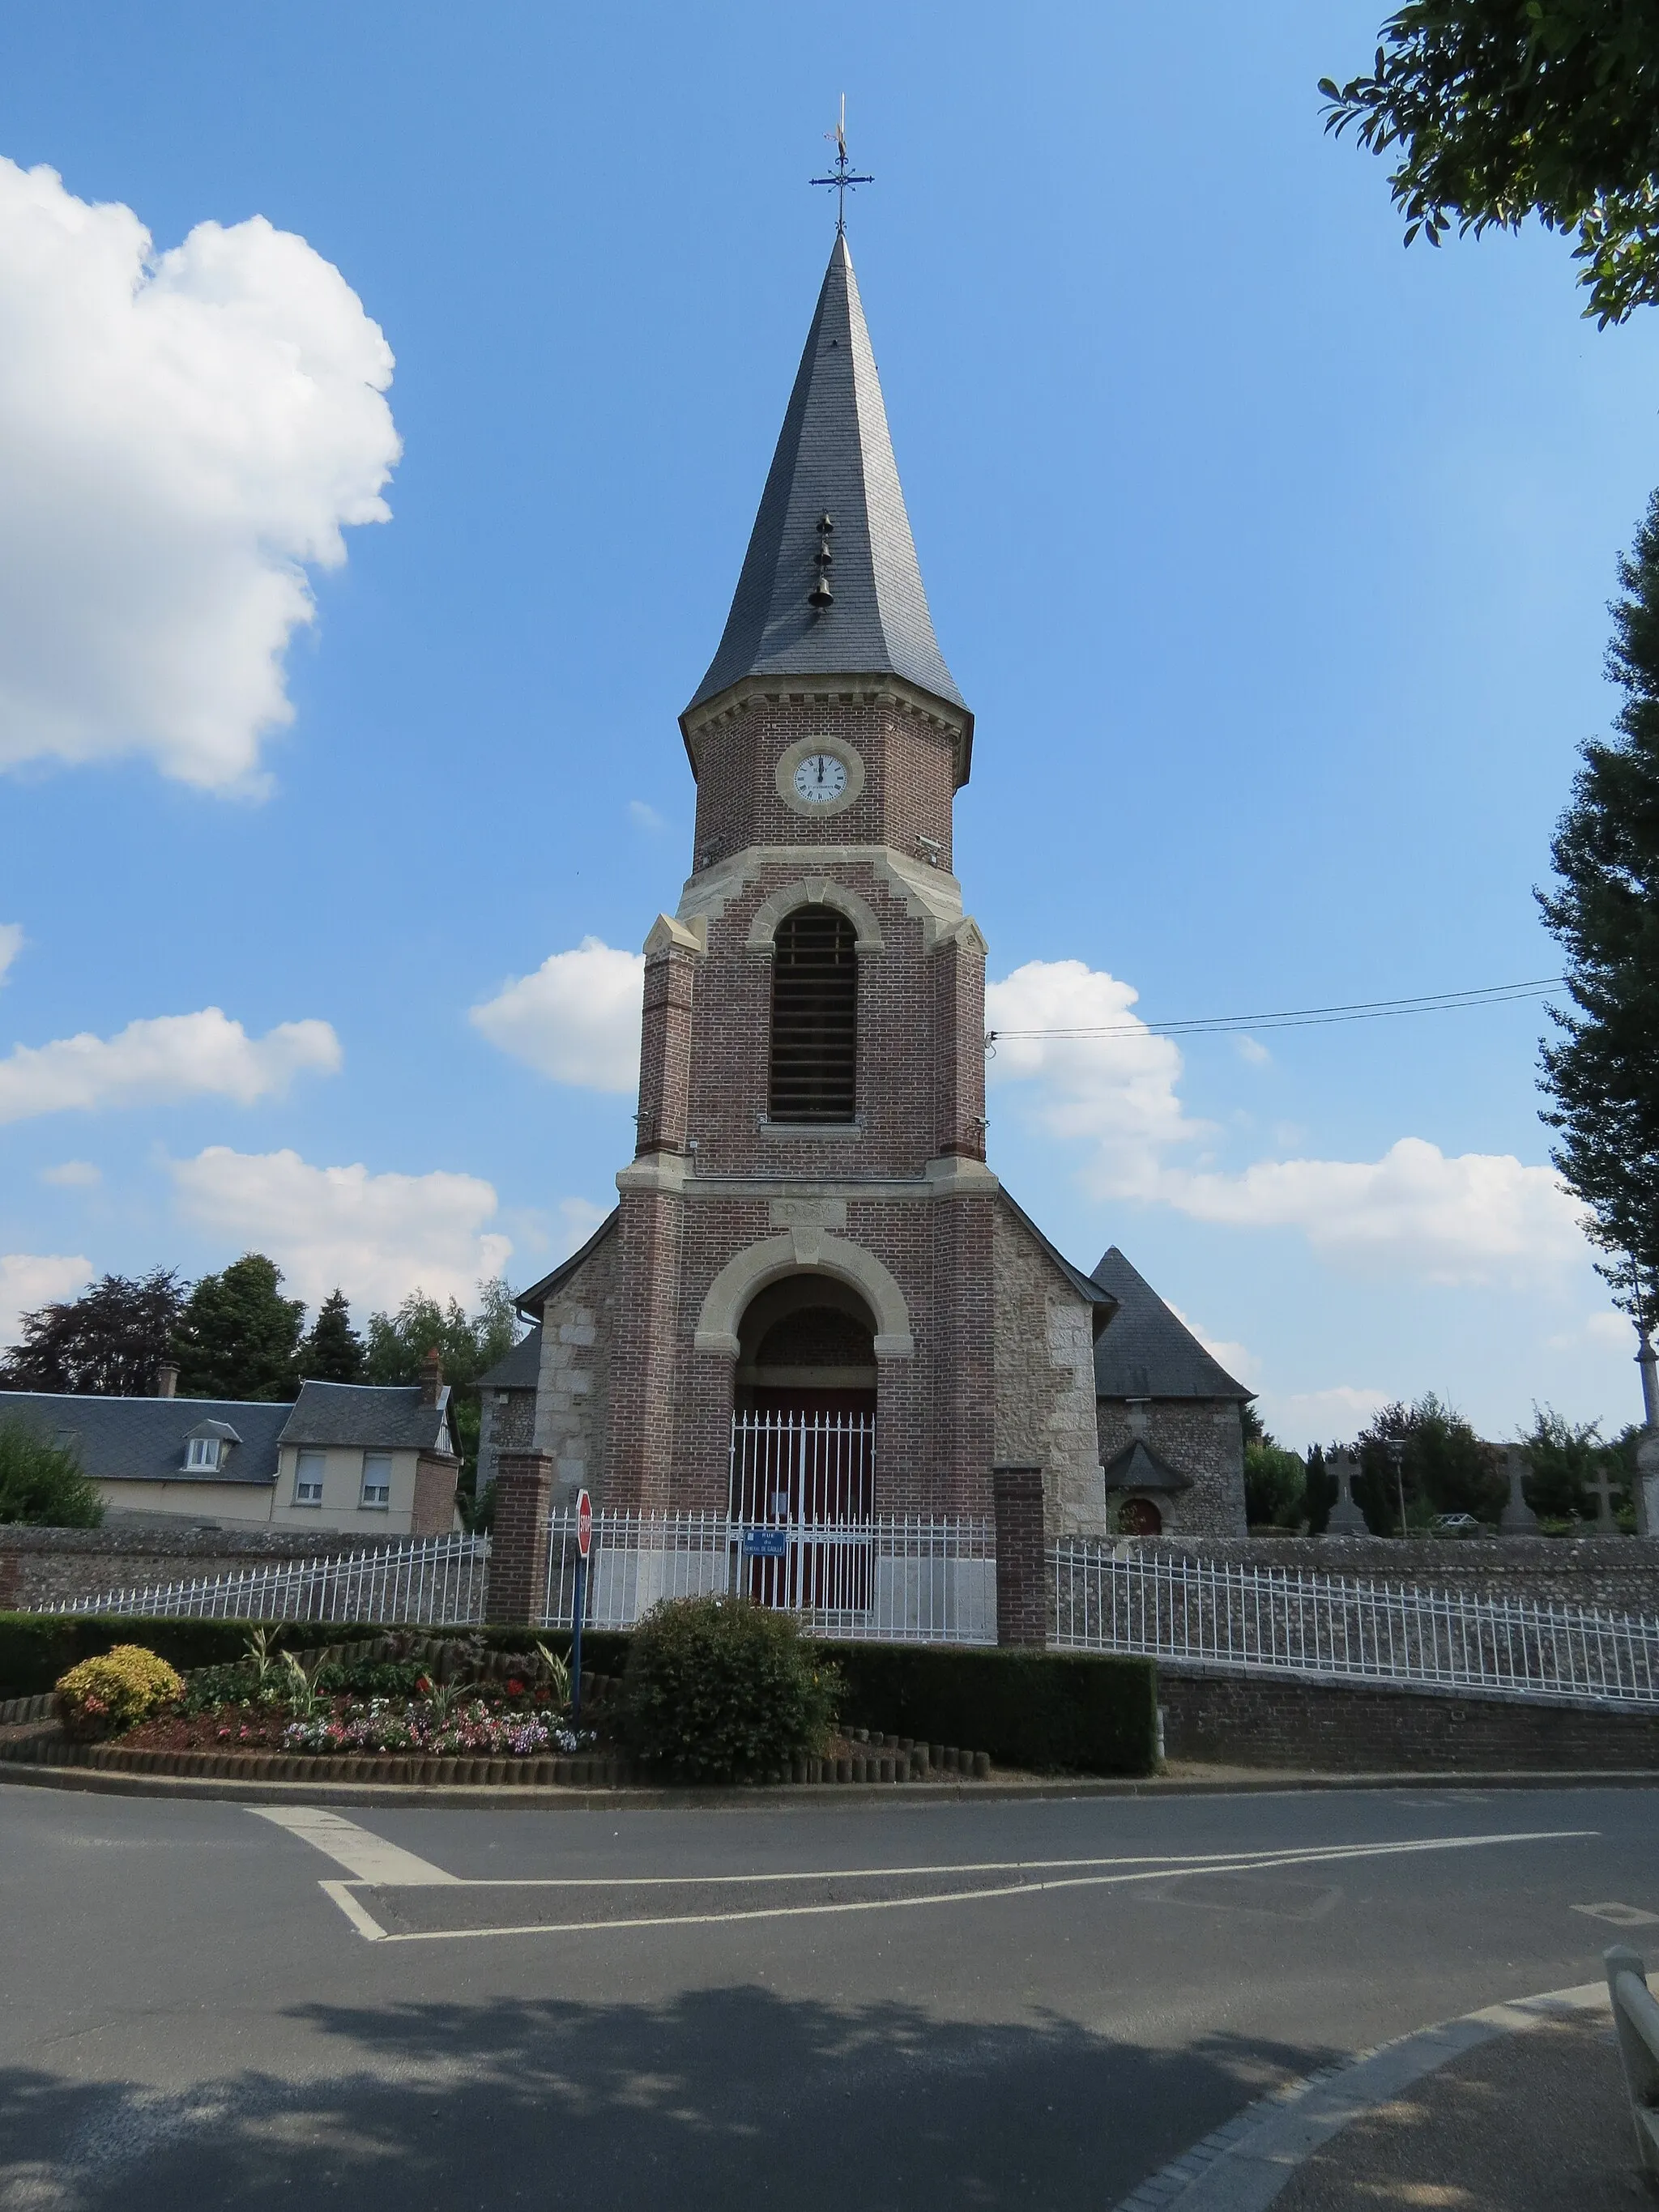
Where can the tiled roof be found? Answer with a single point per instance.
(143, 1439)
(378, 1417)
(1137, 1467)
(834, 456)
(518, 1370)
(1146, 1352)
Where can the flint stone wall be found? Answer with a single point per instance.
(1619, 1574)
(41, 1569)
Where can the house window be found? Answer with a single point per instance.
(308, 1479)
(203, 1452)
(815, 1003)
(377, 1478)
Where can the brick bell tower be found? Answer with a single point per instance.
(807, 1223)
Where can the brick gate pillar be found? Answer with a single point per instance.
(518, 1542)
(1022, 1591)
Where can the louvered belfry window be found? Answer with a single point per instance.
(815, 1018)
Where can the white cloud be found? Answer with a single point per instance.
(579, 1218)
(378, 1236)
(645, 817)
(1607, 1330)
(175, 1056)
(1300, 1419)
(1250, 1051)
(28, 1280)
(1477, 1217)
(179, 436)
(72, 1175)
(576, 1019)
(11, 943)
(1117, 1093)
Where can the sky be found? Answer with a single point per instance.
(386, 394)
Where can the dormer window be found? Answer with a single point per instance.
(202, 1454)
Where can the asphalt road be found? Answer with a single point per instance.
(852, 2007)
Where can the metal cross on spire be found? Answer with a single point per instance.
(844, 178)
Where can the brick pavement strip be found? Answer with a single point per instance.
(1517, 2108)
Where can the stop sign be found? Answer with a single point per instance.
(584, 1522)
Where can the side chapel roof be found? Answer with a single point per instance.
(833, 458)
(1147, 1351)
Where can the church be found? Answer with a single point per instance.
(814, 1301)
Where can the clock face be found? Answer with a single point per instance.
(820, 778)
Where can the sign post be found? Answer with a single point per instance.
(584, 1544)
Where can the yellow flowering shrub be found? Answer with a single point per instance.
(100, 1697)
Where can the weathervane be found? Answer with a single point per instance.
(844, 179)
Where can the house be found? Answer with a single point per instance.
(360, 1459)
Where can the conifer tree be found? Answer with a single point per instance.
(1603, 1072)
(238, 1337)
(333, 1350)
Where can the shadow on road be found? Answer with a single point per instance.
(720, 2098)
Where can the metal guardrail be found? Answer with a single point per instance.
(434, 1581)
(1635, 2017)
(1281, 1621)
(891, 1579)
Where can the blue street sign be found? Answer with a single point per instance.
(766, 1543)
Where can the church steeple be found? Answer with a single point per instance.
(830, 584)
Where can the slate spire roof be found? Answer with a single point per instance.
(833, 458)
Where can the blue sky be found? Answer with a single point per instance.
(1274, 559)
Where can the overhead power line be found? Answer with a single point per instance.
(1288, 1018)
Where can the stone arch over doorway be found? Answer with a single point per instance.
(804, 1252)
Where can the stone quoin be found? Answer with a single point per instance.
(810, 1226)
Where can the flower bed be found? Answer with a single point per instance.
(522, 1727)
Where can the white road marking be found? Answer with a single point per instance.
(1619, 1916)
(1161, 1870)
(370, 1858)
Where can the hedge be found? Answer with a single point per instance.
(36, 1647)
(1050, 1711)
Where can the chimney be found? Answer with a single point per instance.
(432, 1376)
(166, 1380)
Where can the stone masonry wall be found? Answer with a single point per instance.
(1362, 1728)
(1045, 1380)
(572, 1396)
(1620, 1574)
(1200, 1436)
(42, 1568)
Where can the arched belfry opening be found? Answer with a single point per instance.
(815, 1018)
(804, 1419)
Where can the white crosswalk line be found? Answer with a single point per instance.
(370, 1858)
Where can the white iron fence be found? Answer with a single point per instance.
(892, 1578)
(1278, 1620)
(435, 1581)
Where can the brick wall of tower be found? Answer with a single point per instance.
(910, 773)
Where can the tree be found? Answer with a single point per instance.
(42, 1484)
(1565, 1456)
(466, 1344)
(1603, 1075)
(1501, 109)
(106, 1343)
(238, 1338)
(1275, 1479)
(1447, 1469)
(333, 1351)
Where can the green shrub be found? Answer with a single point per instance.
(716, 1687)
(42, 1485)
(100, 1697)
(1050, 1711)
